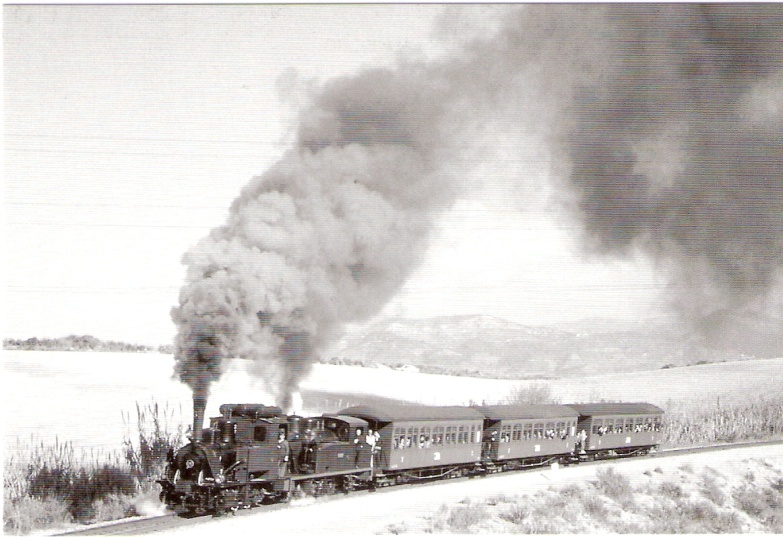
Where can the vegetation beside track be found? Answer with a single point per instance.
(53, 485)
(746, 497)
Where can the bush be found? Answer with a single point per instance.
(712, 491)
(464, 517)
(532, 394)
(614, 485)
(672, 490)
(516, 514)
(594, 506)
(24, 514)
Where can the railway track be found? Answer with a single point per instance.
(164, 523)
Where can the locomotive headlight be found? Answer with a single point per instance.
(219, 479)
(189, 464)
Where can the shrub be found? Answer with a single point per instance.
(498, 499)
(672, 490)
(24, 514)
(516, 514)
(594, 506)
(614, 485)
(463, 518)
(763, 504)
(712, 491)
(538, 393)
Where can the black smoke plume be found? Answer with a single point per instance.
(663, 123)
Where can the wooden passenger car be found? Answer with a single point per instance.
(528, 435)
(619, 428)
(418, 439)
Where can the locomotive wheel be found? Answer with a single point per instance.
(346, 485)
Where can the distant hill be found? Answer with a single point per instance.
(79, 343)
(480, 345)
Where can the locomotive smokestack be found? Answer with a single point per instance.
(199, 408)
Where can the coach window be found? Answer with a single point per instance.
(538, 430)
(597, 426)
(448, 435)
(528, 432)
(657, 425)
(549, 432)
(628, 425)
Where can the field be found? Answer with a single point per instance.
(84, 397)
(80, 408)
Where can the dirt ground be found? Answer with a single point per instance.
(412, 507)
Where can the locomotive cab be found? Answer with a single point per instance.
(327, 445)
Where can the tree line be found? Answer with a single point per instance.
(80, 343)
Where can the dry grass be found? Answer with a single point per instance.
(756, 417)
(51, 485)
(687, 500)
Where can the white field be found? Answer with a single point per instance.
(81, 397)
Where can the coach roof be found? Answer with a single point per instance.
(394, 413)
(511, 412)
(609, 409)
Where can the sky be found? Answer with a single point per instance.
(130, 130)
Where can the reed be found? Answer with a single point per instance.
(757, 417)
(49, 485)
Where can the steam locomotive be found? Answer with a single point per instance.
(254, 454)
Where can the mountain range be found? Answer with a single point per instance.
(486, 346)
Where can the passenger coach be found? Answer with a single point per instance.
(417, 441)
(517, 436)
(610, 429)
